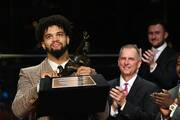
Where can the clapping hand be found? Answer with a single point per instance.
(148, 57)
(118, 95)
(163, 99)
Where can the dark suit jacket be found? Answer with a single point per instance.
(165, 73)
(140, 105)
(176, 116)
(27, 91)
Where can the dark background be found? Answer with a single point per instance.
(110, 24)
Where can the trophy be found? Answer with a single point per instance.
(79, 58)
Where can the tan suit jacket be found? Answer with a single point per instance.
(24, 101)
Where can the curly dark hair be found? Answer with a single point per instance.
(58, 20)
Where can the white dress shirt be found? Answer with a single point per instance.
(54, 65)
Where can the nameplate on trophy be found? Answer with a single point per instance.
(63, 82)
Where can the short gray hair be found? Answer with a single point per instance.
(134, 46)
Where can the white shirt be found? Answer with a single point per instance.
(130, 82)
(159, 50)
(54, 65)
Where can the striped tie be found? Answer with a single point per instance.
(126, 88)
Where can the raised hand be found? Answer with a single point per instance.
(163, 99)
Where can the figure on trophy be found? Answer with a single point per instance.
(79, 58)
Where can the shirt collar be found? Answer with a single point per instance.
(162, 47)
(54, 65)
(130, 82)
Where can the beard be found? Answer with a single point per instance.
(57, 53)
(159, 44)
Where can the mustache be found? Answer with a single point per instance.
(56, 42)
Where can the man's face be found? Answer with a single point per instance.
(178, 66)
(128, 62)
(156, 35)
(55, 41)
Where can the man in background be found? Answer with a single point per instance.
(159, 61)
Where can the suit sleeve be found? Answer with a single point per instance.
(165, 73)
(176, 114)
(24, 101)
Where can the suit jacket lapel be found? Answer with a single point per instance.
(118, 82)
(42, 67)
(164, 54)
(135, 87)
(45, 66)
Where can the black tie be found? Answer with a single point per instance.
(60, 69)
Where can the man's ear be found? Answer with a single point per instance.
(43, 45)
(68, 40)
(166, 35)
(139, 64)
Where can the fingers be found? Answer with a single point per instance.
(82, 70)
(117, 93)
(163, 99)
(161, 95)
(165, 91)
(148, 56)
(49, 74)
